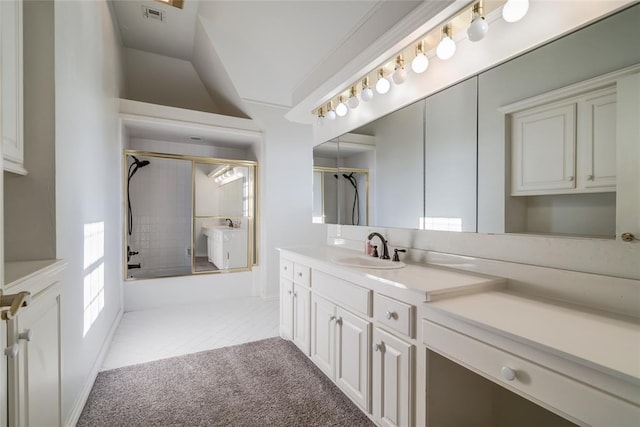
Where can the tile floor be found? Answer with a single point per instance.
(147, 335)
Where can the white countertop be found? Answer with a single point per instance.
(594, 338)
(15, 271)
(433, 281)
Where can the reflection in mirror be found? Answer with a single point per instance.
(325, 185)
(394, 157)
(450, 158)
(221, 216)
(170, 195)
(341, 180)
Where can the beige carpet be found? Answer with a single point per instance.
(262, 383)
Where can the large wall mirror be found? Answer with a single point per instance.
(188, 215)
(450, 161)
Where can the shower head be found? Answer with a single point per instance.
(138, 163)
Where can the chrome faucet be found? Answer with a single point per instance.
(229, 221)
(385, 248)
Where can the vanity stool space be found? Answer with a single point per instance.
(429, 345)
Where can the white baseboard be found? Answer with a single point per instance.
(76, 411)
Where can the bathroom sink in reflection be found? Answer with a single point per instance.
(363, 261)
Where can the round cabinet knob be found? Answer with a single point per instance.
(285, 268)
(589, 177)
(508, 373)
(25, 335)
(11, 351)
(289, 292)
(299, 274)
(570, 178)
(392, 315)
(378, 347)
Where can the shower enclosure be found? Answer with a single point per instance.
(188, 215)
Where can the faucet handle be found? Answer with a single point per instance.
(396, 257)
(375, 251)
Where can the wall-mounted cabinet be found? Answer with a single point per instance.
(11, 86)
(565, 147)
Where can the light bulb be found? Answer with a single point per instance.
(382, 85)
(353, 102)
(446, 48)
(479, 26)
(331, 115)
(341, 108)
(420, 63)
(367, 94)
(514, 10)
(399, 76)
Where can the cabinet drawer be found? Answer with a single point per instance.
(302, 274)
(344, 293)
(562, 395)
(397, 315)
(286, 268)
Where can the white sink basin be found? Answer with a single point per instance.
(363, 261)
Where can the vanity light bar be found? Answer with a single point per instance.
(470, 20)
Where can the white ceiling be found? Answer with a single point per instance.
(260, 51)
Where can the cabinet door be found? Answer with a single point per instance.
(11, 85)
(393, 389)
(286, 309)
(34, 374)
(597, 141)
(353, 341)
(323, 315)
(302, 318)
(543, 144)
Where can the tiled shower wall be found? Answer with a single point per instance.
(161, 204)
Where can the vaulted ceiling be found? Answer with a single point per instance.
(272, 52)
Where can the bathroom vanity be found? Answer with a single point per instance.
(226, 247)
(427, 344)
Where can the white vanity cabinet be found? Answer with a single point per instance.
(11, 86)
(295, 303)
(565, 146)
(340, 347)
(340, 339)
(393, 380)
(227, 247)
(33, 352)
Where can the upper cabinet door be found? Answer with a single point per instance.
(597, 140)
(543, 144)
(11, 85)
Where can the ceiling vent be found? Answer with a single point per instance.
(151, 13)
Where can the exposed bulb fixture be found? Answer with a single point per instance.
(382, 85)
(420, 63)
(447, 47)
(331, 114)
(400, 74)
(479, 26)
(341, 108)
(320, 119)
(367, 93)
(514, 10)
(353, 101)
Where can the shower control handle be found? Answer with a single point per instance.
(132, 253)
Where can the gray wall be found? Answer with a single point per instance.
(29, 201)
(606, 46)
